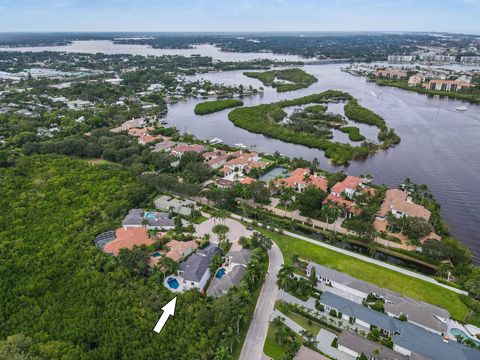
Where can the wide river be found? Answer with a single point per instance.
(440, 146)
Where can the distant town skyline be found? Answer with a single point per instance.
(456, 16)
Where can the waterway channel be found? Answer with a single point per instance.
(440, 146)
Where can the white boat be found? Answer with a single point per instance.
(462, 108)
(241, 146)
(216, 141)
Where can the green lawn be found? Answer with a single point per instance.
(313, 327)
(200, 220)
(389, 279)
(271, 348)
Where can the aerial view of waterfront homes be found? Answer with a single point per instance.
(229, 195)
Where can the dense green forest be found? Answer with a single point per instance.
(63, 299)
(209, 107)
(297, 79)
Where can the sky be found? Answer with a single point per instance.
(459, 16)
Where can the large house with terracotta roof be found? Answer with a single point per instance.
(177, 251)
(400, 204)
(346, 205)
(243, 163)
(182, 149)
(127, 238)
(348, 186)
(301, 178)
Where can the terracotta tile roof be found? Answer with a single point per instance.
(214, 154)
(180, 249)
(397, 200)
(185, 148)
(139, 132)
(350, 182)
(126, 238)
(349, 205)
(296, 178)
(247, 180)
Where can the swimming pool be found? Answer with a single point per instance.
(149, 215)
(273, 173)
(220, 273)
(156, 254)
(173, 283)
(457, 332)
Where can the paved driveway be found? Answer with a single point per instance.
(236, 231)
(253, 345)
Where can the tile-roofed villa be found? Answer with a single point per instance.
(177, 251)
(348, 186)
(126, 238)
(181, 149)
(247, 180)
(398, 202)
(296, 180)
(339, 201)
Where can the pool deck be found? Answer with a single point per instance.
(180, 283)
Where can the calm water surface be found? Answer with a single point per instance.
(440, 146)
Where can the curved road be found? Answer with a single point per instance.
(253, 345)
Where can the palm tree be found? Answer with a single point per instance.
(307, 178)
(372, 248)
(222, 354)
(295, 259)
(281, 334)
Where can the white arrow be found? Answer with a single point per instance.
(168, 310)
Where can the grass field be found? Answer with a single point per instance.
(389, 279)
(271, 348)
(311, 326)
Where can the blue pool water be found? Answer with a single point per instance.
(273, 173)
(220, 273)
(458, 332)
(173, 283)
(149, 215)
(156, 254)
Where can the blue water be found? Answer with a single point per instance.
(220, 273)
(149, 215)
(458, 332)
(273, 173)
(173, 283)
(156, 254)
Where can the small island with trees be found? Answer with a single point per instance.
(284, 80)
(311, 126)
(209, 107)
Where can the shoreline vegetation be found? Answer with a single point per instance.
(403, 84)
(353, 133)
(209, 107)
(266, 119)
(297, 79)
